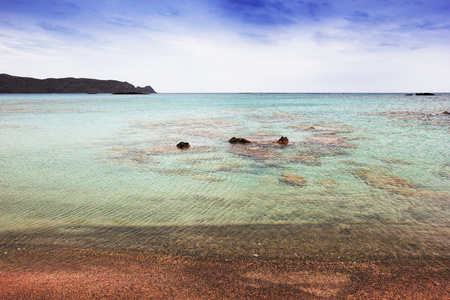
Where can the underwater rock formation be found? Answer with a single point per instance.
(417, 118)
(396, 161)
(395, 184)
(293, 179)
(172, 150)
(130, 156)
(319, 150)
(330, 139)
(306, 159)
(323, 128)
(145, 156)
(257, 152)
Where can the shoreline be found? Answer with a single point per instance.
(334, 241)
(221, 262)
(48, 273)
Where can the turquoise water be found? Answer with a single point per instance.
(111, 160)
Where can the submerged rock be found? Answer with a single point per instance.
(414, 118)
(330, 139)
(387, 182)
(444, 174)
(212, 128)
(202, 176)
(395, 184)
(183, 145)
(130, 156)
(327, 183)
(293, 179)
(203, 123)
(161, 150)
(257, 152)
(207, 177)
(276, 117)
(396, 161)
(319, 150)
(306, 159)
(323, 128)
(235, 140)
(354, 163)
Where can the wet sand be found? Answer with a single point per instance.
(328, 261)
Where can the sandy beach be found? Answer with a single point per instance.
(210, 263)
(97, 274)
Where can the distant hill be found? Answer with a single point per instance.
(14, 84)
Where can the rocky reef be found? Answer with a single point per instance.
(14, 84)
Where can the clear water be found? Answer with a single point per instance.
(111, 160)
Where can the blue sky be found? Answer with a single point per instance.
(231, 45)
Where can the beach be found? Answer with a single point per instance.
(211, 263)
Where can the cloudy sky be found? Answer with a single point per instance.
(232, 45)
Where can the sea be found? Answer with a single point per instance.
(363, 175)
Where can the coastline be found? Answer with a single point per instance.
(220, 262)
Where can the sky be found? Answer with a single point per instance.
(202, 46)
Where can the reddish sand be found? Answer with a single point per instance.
(69, 273)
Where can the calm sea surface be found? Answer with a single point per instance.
(83, 161)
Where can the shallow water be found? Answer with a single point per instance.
(111, 160)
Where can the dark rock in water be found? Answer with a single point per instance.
(234, 140)
(424, 94)
(408, 94)
(446, 113)
(183, 145)
(283, 140)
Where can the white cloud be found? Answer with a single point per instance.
(183, 49)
